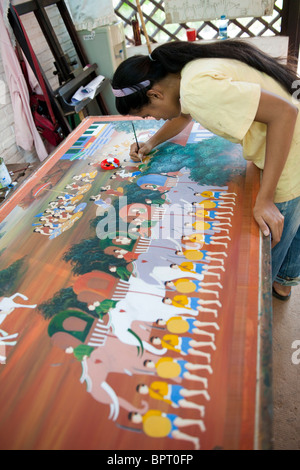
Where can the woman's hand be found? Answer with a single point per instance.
(269, 219)
(169, 130)
(138, 155)
(280, 116)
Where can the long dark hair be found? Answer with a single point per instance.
(171, 57)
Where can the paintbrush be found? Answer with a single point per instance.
(137, 144)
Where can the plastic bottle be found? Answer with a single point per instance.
(5, 179)
(223, 27)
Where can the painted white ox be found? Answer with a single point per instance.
(7, 305)
(139, 302)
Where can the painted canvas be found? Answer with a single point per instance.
(129, 308)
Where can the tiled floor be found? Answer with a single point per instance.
(286, 372)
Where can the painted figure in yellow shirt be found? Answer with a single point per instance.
(182, 325)
(216, 195)
(174, 395)
(158, 424)
(178, 369)
(197, 268)
(188, 286)
(209, 215)
(183, 345)
(193, 303)
(202, 226)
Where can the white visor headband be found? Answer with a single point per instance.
(119, 93)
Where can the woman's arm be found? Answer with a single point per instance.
(167, 131)
(280, 117)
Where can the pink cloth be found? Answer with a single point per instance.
(26, 132)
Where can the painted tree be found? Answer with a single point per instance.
(87, 256)
(63, 300)
(9, 277)
(199, 159)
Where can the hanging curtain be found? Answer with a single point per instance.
(26, 133)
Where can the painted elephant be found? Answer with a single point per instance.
(114, 357)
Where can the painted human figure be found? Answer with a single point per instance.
(184, 345)
(201, 225)
(86, 177)
(53, 225)
(216, 195)
(129, 174)
(209, 215)
(120, 253)
(47, 231)
(163, 274)
(74, 186)
(193, 303)
(174, 368)
(61, 216)
(69, 199)
(196, 268)
(181, 325)
(205, 239)
(157, 182)
(202, 255)
(58, 210)
(208, 204)
(199, 255)
(189, 286)
(101, 203)
(112, 192)
(174, 395)
(158, 424)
